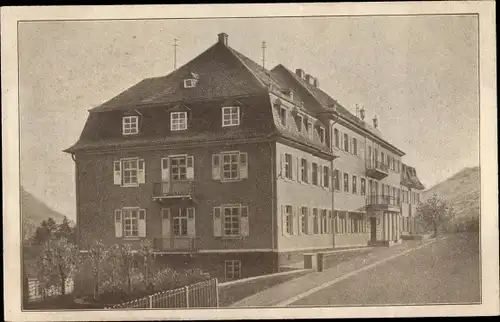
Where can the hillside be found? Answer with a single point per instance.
(462, 191)
(33, 212)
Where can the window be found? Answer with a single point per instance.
(303, 220)
(289, 220)
(382, 157)
(232, 269)
(131, 222)
(130, 125)
(300, 122)
(303, 170)
(336, 137)
(336, 178)
(346, 182)
(363, 186)
(354, 146)
(314, 173)
(230, 116)
(283, 116)
(393, 164)
(324, 221)
(179, 168)
(315, 221)
(326, 177)
(231, 221)
(399, 196)
(310, 129)
(387, 161)
(180, 222)
(398, 167)
(189, 83)
(230, 164)
(354, 184)
(288, 166)
(130, 172)
(178, 121)
(346, 143)
(321, 133)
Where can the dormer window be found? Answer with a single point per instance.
(178, 121)
(189, 83)
(230, 116)
(310, 129)
(283, 116)
(321, 133)
(291, 95)
(300, 122)
(130, 125)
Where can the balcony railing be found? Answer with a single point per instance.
(173, 189)
(179, 243)
(376, 169)
(383, 200)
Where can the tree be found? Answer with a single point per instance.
(64, 230)
(56, 262)
(97, 254)
(45, 231)
(435, 213)
(146, 251)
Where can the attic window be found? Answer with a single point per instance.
(130, 125)
(321, 133)
(190, 83)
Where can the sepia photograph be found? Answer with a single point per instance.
(171, 164)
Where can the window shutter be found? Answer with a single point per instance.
(330, 222)
(190, 167)
(309, 172)
(283, 220)
(165, 222)
(299, 167)
(142, 223)
(142, 171)
(243, 165)
(282, 165)
(216, 166)
(118, 223)
(244, 222)
(320, 173)
(293, 168)
(296, 218)
(299, 220)
(165, 169)
(191, 222)
(217, 221)
(117, 170)
(309, 221)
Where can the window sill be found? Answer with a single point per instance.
(131, 238)
(231, 237)
(130, 185)
(231, 180)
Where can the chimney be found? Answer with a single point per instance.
(315, 82)
(362, 113)
(308, 79)
(357, 111)
(223, 38)
(300, 73)
(375, 121)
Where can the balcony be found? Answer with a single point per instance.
(176, 244)
(173, 189)
(383, 202)
(376, 170)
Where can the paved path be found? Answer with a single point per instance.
(447, 271)
(283, 292)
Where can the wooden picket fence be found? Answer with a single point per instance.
(202, 294)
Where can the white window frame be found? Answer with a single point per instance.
(315, 178)
(337, 179)
(326, 176)
(289, 219)
(223, 162)
(182, 219)
(323, 221)
(230, 273)
(354, 146)
(336, 138)
(230, 112)
(316, 221)
(304, 177)
(126, 161)
(189, 83)
(361, 190)
(237, 216)
(130, 125)
(303, 219)
(354, 184)
(129, 211)
(310, 128)
(178, 121)
(346, 142)
(181, 175)
(288, 166)
(346, 176)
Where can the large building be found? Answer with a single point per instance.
(236, 169)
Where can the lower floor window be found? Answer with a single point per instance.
(180, 223)
(232, 269)
(131, 222)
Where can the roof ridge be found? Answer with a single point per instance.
(235, 53)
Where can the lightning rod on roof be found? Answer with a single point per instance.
(175, 52)
(263, 54)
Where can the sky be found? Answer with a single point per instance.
(419, 75)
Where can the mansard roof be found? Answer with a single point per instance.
(409, 178)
